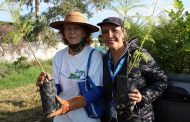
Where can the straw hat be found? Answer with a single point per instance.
(74, 17)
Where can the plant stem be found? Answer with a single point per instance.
(35, 57)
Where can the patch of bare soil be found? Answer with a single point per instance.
(21, 104)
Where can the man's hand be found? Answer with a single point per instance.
(68, 105)
(43, 77)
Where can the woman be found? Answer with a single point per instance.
(69, 69)
(129, 89)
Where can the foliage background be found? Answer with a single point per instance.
(168, 41)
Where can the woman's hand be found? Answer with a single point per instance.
(64, 108)
(68, 105)
(135, 95)
(43, 77)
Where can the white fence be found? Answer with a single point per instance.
(42, 51)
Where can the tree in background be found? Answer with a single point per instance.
(57, 10)
(61, 7)
(168, 40)
(137, 25)
(172, 40)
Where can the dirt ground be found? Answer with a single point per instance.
(21, 104)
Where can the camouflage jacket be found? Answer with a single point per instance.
(150, 81)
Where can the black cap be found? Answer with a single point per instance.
(112, 20)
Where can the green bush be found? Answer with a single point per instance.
(172, 40)
(21, 64)
(6, 69)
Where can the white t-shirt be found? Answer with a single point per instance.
(68, 70)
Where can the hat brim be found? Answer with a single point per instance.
(59, 25)
(103, 23)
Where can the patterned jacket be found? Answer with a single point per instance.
(149, 79)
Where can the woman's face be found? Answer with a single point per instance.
(112, 35)
(74, 33)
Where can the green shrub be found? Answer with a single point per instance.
(172, 40)
(21, 64)
(6, 69)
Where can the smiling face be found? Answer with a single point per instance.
(74, 33)
(113, 36)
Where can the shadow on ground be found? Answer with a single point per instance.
(29, 115)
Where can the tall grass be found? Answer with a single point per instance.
(10, 77)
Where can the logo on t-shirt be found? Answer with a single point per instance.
(76, 75)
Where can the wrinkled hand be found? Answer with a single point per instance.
(64, 108)
(135, 95)
(68, 105)
(42, 78)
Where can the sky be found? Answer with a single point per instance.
(146, 10)
(100, 15)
